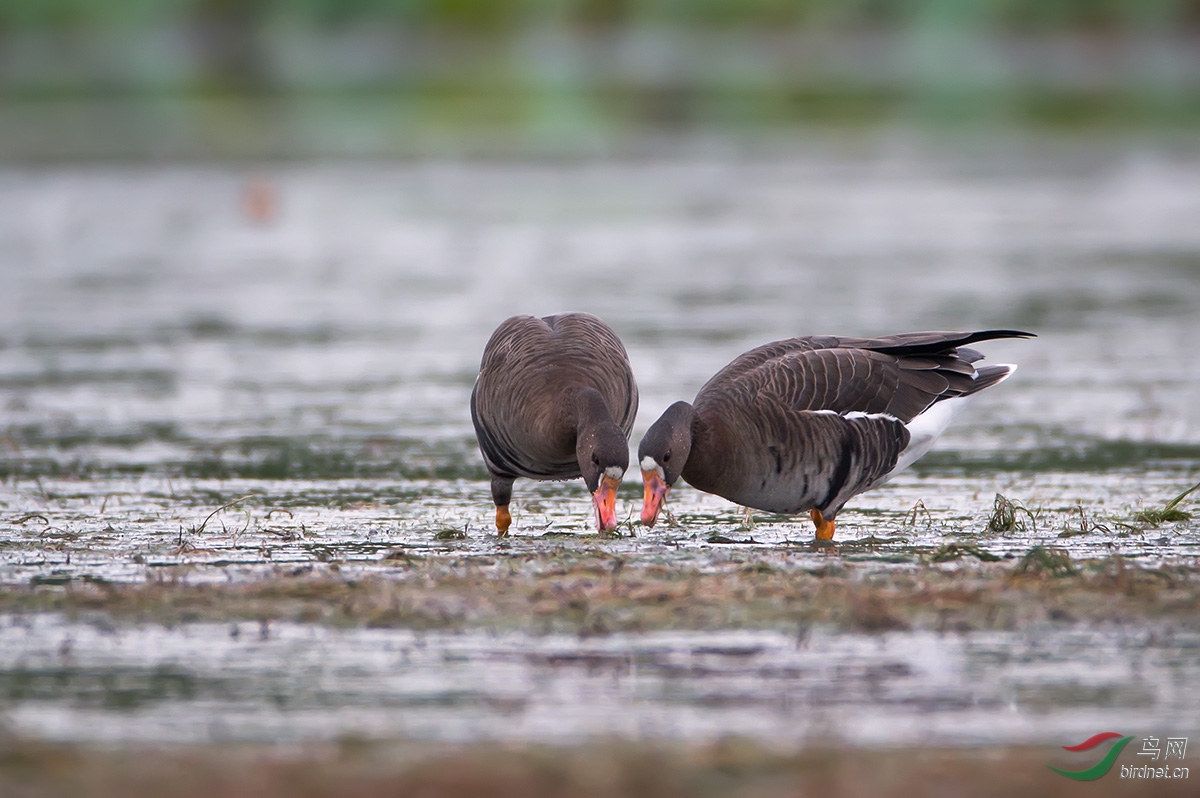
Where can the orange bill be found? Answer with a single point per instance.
(656, 494)
(605, 499)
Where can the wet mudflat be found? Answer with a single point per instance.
(242, 500)
(552, 649)
(603, 768)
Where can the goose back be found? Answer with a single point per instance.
(522, 405)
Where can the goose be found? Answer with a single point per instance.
(805, 424)
(555, 399)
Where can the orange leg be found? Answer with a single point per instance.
(504, 520)
(824, 528)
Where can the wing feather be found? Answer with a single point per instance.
(901, 375)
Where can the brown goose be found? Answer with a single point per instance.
(555, 399)
(807, 423)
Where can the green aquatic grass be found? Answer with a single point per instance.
(1085, 527)
(1170, 513)
(1010, 516)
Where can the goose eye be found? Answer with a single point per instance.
(667, 457)
(595, 460)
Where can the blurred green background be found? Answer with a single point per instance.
(169, 79)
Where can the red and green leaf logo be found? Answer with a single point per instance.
(1100, 768)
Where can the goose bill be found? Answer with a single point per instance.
(656, 494)
(605, 499)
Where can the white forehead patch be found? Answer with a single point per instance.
(614, 472)
(650, 464)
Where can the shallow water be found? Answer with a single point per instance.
(162, 353)
(287, 682)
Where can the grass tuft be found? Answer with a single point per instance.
(910, 519)
(1169, 513)
(1085, 527)
(1010, 516)
(197, 530)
